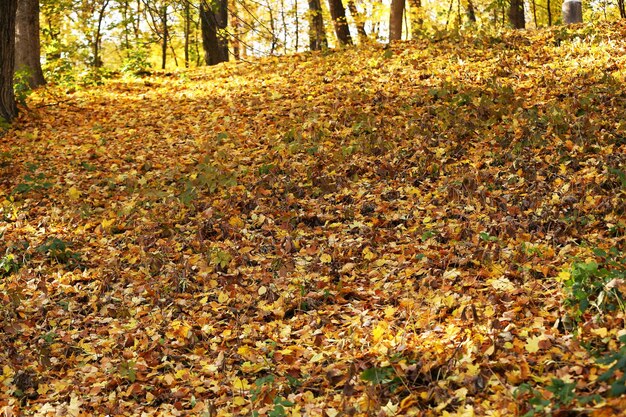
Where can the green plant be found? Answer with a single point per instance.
(206, 177)
(21, 86)
(60, 251)
(617, 371)
(136, 62)
(127, 371)
(8, 265)
(563, 397)
(266, 386)
(220, 259)
(32, 181)
(378, 375)
(591, 284)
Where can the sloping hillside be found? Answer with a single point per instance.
(434, 228)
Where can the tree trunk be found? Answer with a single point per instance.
(471, 11)
(416, 19)
(516, 14)
(338, 14)
(187, 32)
(317, 34)
(622, 8)
(97, 62)
(164, 44)
(572, 11)
(549, 7)
(358, 20)
(27, 47)
(395, 20)
(8, 108)
(213, 18)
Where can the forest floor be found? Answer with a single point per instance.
(433, 228)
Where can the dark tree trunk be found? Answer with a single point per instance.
(471, 11)
(395, 20)
(213, 19)
(164, 44)
(8, 108)
(27, 46)
(187, 32)
(516, 14)
(97, 62)
(317, 34)
(549, 7)
(338, 14)
(622, 8)
(572, 11)
(359, 21)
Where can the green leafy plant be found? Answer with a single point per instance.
(8, 265)
(207, 177)
(21, 86)
(136, 62)
(127, 371)
(591, 284)
(220, 259)
(378, 376)
(617, 371)
(59, 250)
(563, 397)
(32, 181)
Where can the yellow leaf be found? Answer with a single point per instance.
(379, 331)
(368, 254)
(326, 258)
(533, 343)
(240, 384)
(236, 222)
(563, 276)
(222, 297)
(107, 223)
(73, 193)
(239, 401)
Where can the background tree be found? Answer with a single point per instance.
(213, 22)
(8, 108)
(572, 11)
(317, 34)
(359, 21)
(338, 14)
(27, 44)
(395, 19)
(516, 14)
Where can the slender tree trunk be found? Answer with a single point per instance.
(236, 44)
(8, 108)
(164, 43)
(317, 34)
(516, 14)
(549, 7)
(187, 31)
(27, 46)
(338, 14)
(471, 11)
(534, 6)
(272, 27)
(284, 24)
(416, 19)
(395, 20)
(297, 23)
(622, 8)
(97, 62)
(358, 20)
(213, 18)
